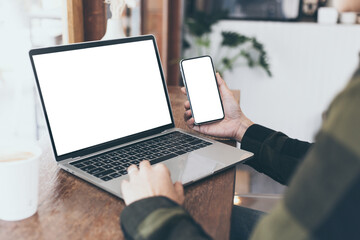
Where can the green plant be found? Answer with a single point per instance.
(237, 46)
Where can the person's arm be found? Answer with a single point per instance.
(159, 218)
(275, 154)
(322, 201)
(154, 206)
(154, 210)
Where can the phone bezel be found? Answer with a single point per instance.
(188, 95)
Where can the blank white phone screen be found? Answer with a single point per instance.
(95, 95)
(202, 89)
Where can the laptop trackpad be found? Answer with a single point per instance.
(193, 167)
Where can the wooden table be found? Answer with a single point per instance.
(70, 208)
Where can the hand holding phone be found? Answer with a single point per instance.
(202, 90)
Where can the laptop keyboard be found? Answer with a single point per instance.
(113, 164)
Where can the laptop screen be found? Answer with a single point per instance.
(99, 94)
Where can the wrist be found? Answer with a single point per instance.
(243, 126)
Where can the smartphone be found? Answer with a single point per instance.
(202, 89)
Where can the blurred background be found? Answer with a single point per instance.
(288, 58)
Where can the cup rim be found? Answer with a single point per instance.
(33, 148)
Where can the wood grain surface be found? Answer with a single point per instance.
(75, 19)
(70, 208)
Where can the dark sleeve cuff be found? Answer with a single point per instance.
(254, 137)
(252, 141)
(136, 212)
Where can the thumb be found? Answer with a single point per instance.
(223, 88)
(221, 83)
(183, 90)
(219, 79)
(179, 189)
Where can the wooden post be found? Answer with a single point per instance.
(174, 41)
(86, 20)
(154, 20)
(75, 21)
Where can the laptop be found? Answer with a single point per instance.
(107, 106)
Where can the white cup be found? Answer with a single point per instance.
(327, 15)
(19, 182)
(348, 17)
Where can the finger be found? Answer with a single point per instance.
(190, 122)
(161, 167)
(124, 186)
(125, 190)
(179, 189)
(183, 90)
(187, 114)
(132, 171)
(144, 165)
(220, 81)
(222, 85)
(187, 105)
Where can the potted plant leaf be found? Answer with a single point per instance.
(234, 49)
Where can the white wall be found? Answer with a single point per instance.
(310, 64)
(17, 117)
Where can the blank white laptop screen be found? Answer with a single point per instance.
(100, 94)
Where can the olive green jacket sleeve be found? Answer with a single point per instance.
(159, 218)
(322, 201)
(323, 198)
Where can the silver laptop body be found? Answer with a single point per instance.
(106, 106)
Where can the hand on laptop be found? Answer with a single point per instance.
(150, 181)
(235, 123)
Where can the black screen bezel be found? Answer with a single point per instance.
(116, 142)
